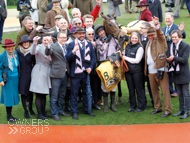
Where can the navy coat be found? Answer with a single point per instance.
(26, 64)
(71, 58)
(174, 27)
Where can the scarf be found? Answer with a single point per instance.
(173, 65)
(10, 63)
(78, 67)
(57, 10)
(25, 51)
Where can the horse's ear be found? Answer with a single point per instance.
(113, 13)
(103, 16)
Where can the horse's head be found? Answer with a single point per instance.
(111, 26)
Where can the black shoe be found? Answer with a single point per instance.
(90, 114)
(57, 118)
(179, 113)
(31, 112)
(26, 115)
(74, 116)
(131, 110)
(46, 115)
(67, 109)
(185, 115)
(42, 117)
(11, 119)
(95, 106)
(138, 110)
(64, 114)
(176, 17)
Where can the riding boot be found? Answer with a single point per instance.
(105, 95)
(10, 118)
(112, 106)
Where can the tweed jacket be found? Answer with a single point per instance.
(158, 48)
(85, 6)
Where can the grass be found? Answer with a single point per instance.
(121, 117)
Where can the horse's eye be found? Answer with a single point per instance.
(110, 25)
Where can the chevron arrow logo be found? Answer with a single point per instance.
(13, 130)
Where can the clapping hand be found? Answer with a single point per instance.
(181, 26)
(170, 58)
(2, 83)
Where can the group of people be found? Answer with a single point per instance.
(58, 61)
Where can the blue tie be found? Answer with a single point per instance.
(64, 51)
(82, 45)
(167, 31)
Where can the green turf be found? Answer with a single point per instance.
(112, 118)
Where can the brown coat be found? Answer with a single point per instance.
(158, 47)
(41, 4)
(85, 6)
(50, 19)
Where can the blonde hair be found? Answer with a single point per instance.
(88, 16)
(135, 33)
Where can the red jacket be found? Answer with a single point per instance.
(94, 13)
(146, 15)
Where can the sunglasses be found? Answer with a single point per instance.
(90, 33)
(78, 23)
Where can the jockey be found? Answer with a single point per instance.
(106, 45)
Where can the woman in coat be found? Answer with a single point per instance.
(9, 63)
(179, 64)
(35, 13)
(27, 61)
(146, 15)
(133, 56)
(112, 8)
(40, 80)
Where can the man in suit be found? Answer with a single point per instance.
(155, 8)
(170, 26)
(56, 28)
(58, 75)
(81, 58)
(144, 40)
(156, 66)
(179, 55)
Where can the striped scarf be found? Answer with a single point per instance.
(79, 67)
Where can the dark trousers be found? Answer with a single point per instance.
(95, 83)
(58, 92)
(1, 29)
(134, 83)
(184, 97)
(75, 83)
(170, 75)
(146, 78)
